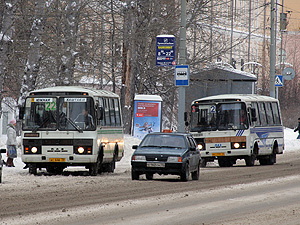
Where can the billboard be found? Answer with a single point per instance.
(165, 50)
(147, 115)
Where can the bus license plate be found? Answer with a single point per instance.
(218, 154)
(155, 164)
(57, 159)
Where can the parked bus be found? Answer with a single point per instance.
(71, 126)
(237, 126)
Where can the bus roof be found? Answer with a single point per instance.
(242, 97)
(76, 89)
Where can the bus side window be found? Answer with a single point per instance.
(101, 105)
(276, 114)
(112, 112)
(255, 107)
(269, 113)
(117, 112)
(106, 110)
(262, 114)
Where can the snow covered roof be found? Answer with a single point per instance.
(79, 89)
(148, 97)
(223, 73)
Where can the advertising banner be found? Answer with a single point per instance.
(147, 115)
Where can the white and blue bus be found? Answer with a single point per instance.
(237, 126)
(71, 126)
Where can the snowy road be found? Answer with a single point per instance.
(236, 195)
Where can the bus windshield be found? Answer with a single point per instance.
(63, 113)
(220, 116)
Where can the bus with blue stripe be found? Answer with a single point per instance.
(237, 126)
(67, 126)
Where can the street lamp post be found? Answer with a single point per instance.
(272, 50)
(182, 61)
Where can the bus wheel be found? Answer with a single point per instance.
(224, 162)
(203, 163)
(112, 164)
(250, 160)
(55, 169)
(32, 169)
(95, 168)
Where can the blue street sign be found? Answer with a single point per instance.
(182, 75)
(165, 50)
(278, 81)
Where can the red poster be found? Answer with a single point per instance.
(147, 109)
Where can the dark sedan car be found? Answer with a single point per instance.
(166, 153)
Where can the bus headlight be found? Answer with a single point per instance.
(238, 145)
(34, 150)
(83, 150)
(80, 150)
(201, 146)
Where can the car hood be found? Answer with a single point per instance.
(165, 151)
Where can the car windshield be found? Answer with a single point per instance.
(163, 141)
(221, 116)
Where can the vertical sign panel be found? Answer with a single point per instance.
(165, 50)
(147, 115)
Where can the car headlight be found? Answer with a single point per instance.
(138, 158)
(174, 159)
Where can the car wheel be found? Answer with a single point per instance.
(184, 176)
(149, 176)
(134, 175)
(196, 174)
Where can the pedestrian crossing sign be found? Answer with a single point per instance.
(278, 81)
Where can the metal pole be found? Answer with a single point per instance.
(182, 61)
(272, 50)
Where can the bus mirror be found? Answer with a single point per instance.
(21, 112)
(185, 116)
(100, 113)
(186, 122)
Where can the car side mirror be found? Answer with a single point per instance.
(21, 112)
(134, 146)
(2, 150)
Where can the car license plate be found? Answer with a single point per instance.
(155, 164)
(218, 154)
(57, 159)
